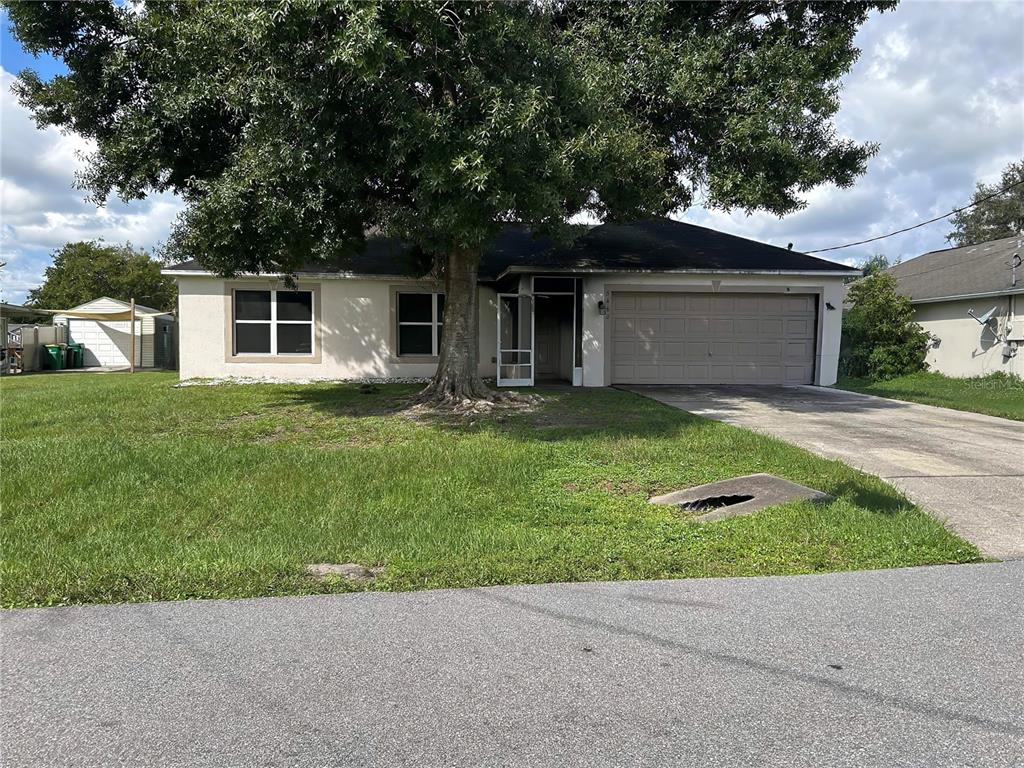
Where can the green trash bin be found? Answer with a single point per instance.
(77, 355)
(53, 357)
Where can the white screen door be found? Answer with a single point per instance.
(515, 340)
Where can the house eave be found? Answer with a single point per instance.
(282, 276)
(525, 269)
(963, 296)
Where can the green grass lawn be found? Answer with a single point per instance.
(122, 487)
(995, 395)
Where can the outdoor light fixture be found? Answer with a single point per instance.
(828, 305)
(602, 308)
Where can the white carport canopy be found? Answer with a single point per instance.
(126, 314)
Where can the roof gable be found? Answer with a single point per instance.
(105, 303)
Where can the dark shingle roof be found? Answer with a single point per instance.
(651, 245)
(964, 271)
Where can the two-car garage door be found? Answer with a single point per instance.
(712, 338)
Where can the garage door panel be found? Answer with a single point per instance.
(696, 327)
(749, 350)
(798, 374)
(799, 350)
(625, 302)
(698, 303)
(646, 327)
(686, 338)
(673, 327)
(673, 350)
(721, 326)
(746, 305)
(623, 349)
(696, 350)
(799, 327)
(624, 326)
(746, 327)
(723, 349)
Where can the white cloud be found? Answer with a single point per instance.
(940, 86)
(41, 209)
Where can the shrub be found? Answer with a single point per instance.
(880, 338)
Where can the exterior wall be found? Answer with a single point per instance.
(964, 348)
(596, 363)
(355, 338)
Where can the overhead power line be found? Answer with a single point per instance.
(921, 224)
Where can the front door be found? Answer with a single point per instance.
(515, 340)
(548, 337)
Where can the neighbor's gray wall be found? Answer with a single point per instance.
(963, 347)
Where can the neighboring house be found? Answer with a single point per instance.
(108, 341)
(947, 287)
(652, 302)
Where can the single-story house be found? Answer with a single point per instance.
(651, 302)
(971, 299)
(103, 326)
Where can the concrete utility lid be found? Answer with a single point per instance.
(738, 496)
(354, 572)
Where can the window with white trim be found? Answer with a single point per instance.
(273, 322)
(420, 319)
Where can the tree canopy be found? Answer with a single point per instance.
(84, 271)
(1002, 216)
(292, 129)
(875, 263)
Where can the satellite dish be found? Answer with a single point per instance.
(983, 319)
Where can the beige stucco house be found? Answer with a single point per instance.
(971, 300)
(652, 302)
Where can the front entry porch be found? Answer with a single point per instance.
(540, 332)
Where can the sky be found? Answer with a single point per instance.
(939, 85)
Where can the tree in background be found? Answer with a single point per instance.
(872, 265)
(85, 271)
(1000, 217)
(291, 129)
(880, 338)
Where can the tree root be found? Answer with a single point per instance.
(470, 399)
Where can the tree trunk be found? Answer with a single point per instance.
(458, 378)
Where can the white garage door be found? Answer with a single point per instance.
(704, 338)
(106, 342)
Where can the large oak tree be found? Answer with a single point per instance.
(293, 129)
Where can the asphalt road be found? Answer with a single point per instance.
(916, 667)
(965, 468)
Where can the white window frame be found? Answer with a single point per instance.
(273, 322)
(436, 323)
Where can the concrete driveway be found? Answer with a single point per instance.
(909, 667)
(965, 468)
